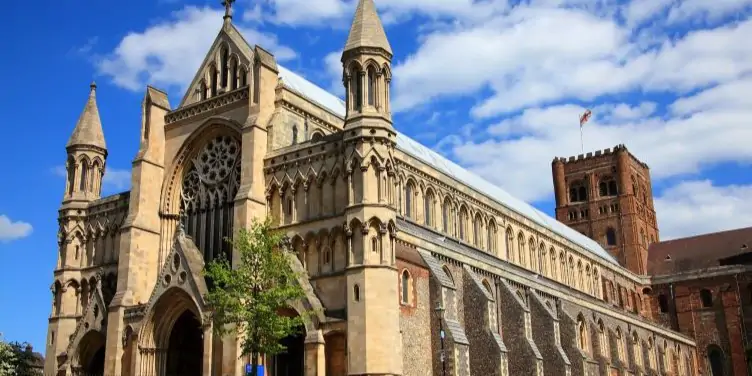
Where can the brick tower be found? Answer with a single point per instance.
(607, 196)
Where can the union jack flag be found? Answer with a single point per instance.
(585, 117)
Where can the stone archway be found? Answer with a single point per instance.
(291, 362)
(173, 339)
(90, 355)
(185, 347)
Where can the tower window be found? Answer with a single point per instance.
(294, 134)
(577, 192)
(356, 293)
(663, 303)
(607, 187)
(610, 237)
(707, 298)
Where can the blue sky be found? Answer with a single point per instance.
(495, 86)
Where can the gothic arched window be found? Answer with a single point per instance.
(445, 215)
(71, 175)
(210, 183)
(234, 73)
(213, 81)
(428, 208)
(371, 87)
(294, 134)
(84, 174)
(223, 67)
(405, 287)
(409, 200)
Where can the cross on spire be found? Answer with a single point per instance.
(228, 9)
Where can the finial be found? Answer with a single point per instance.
(93, 86)
(228, 9)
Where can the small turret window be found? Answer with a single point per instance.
(371, 87)
(84, 174)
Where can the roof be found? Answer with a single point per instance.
(366, 29)
(449, 168)
(88, 130)
(697, 252)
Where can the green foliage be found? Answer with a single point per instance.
(15, 359)
(8, 359)
(250, 294)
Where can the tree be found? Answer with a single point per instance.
(7, 358)
(24, 359)
(248, 295)
(16, 359)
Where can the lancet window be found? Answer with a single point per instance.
(209, 186)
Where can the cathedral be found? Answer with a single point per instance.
(412, 264)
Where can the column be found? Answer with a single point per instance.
(315, 356)
(206, 363)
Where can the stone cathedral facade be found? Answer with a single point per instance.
(414, 265)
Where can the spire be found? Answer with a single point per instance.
(88, 130)
(228, 10)
(366, 29)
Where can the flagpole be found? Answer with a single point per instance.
(582, 144)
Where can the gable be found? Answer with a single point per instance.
(94, 318)
(238, 52)
(181, 269)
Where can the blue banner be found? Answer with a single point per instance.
(249, 370)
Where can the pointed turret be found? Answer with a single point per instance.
(87, 153)
(366, 63)
(367, 30)
(88, 131)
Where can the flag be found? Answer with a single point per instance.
(585, 117)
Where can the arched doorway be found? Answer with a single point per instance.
(171, 341)
(715, 360)
(186, 347)
(91, 354)
(291, 361)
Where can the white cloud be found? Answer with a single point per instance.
(114, 179)
(672, 146)
(698, 207)
(333, 69)
(10, 230)
(169, 52)
(338, 13)
(535, 56)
